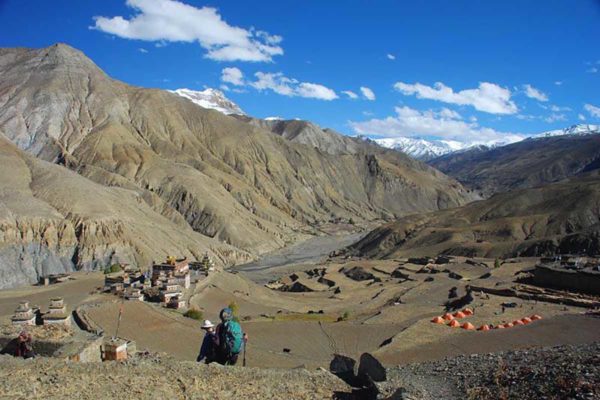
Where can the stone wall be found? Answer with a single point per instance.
(585, 281)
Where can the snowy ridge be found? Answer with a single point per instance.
(579, 130)
(421, 149)
(211, 98)
(426, 150)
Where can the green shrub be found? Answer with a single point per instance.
(194, 314)
(497, 263)
(344, 317)
(112, 269)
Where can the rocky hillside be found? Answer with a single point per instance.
(533, 162)
(53, 220)
(221, 177)
(558, 218)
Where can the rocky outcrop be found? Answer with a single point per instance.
(53, 220)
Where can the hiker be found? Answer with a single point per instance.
(208, 350)
(230, 338)
(20, 347)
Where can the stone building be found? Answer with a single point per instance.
(134, 293)
(57, 313)
(24, 314)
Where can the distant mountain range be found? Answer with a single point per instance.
(426, 150)
(309, 133)
(539, 160)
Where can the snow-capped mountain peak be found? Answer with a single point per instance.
(421, 149)
(426, 150)
(211, 98)
(579, 129)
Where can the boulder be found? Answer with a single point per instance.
(371, 367)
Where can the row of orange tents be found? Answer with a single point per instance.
(453, 323)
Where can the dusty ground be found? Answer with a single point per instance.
(385, 315)
(79, 289)
(158, 379)
(390, 318)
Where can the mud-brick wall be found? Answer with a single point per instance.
(578, 281)
(82, 349)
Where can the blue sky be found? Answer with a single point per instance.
(460, 70)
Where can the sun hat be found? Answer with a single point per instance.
(207, 324)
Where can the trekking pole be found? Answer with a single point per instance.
(244, 361)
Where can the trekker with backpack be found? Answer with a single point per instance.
(230, 338)
(208, 350)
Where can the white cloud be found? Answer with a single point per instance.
(446, 124)
(534, 93)
(224, 88)
(526, 117)
(173, 21)
(581, 117)
(593, 110)
(555, 108)
(592, 70)
(391, 56)
(279, 83)
(488, 97)
(558, 83)
(350, 94)
(368, 93)
(315, 91)
(555, 117)
(232, 75)
(142, 50)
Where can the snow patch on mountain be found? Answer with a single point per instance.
(211, 98)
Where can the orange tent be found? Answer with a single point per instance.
(499, 326)
(508, 325)
(448, 317)
(459, 314)
(518, 322)
(438, 320)
(468, 326)
(467, 311)
(535, 317)
(483, 328)
(454, 324)
(526, 320)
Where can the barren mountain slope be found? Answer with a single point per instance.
(558, 218)
(228, 179)
(53, 220)
(530, 163)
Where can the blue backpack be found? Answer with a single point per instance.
(232, 337)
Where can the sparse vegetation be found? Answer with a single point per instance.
(112, 269)
(345, 316)
(497, 263)
(194, 313)
(234, 310)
